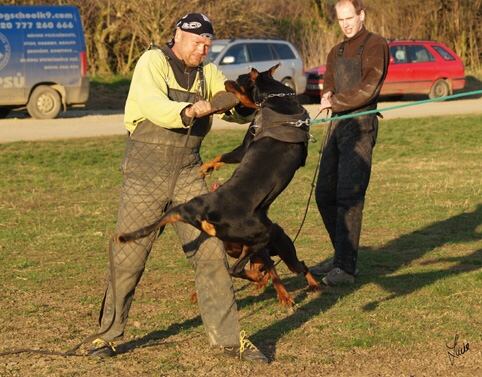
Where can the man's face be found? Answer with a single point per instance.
(349, 21)
(190, 47)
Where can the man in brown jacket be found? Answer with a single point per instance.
(355, 71)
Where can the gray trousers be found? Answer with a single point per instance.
(149, 169)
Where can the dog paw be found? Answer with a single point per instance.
(120, 238)
(314, 288)
(286, 301)
(206, 170)
(193, 298)
(206, 173)
(260, 284)
(256, 277)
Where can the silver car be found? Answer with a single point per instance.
(237, 56)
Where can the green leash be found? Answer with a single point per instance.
(396, 107)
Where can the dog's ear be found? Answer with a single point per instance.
(272, 69)
(232, 86)
(253, 74)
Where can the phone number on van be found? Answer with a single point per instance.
(36, 25)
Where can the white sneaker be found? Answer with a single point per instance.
(338, 276)
(323, 269)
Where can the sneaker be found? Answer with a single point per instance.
(337, 276)
(102, 348)
(323, 269)
(246, 351)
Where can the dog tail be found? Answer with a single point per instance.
(171, 216)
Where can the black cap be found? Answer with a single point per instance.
(196, 23)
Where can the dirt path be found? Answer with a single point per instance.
(83, 123)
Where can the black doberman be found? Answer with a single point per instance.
(261, 261)
(274, 147)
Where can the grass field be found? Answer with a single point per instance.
(420, 259)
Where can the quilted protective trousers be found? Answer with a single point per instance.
(149, 168)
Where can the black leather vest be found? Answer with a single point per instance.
(149, 132)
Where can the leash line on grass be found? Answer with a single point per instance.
(396, 107)
(312, 186)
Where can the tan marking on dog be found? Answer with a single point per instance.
(208, 228)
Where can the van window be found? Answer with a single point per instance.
(420, 54)
(399, 53)
(214, 52)
(283, 51)
(260, 52)
(444, 53)
(238, 52)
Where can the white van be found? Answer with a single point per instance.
(237, 56)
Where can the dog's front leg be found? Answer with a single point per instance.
(207, 168)
(233, 157)
(284, 298)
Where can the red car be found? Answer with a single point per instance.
(416, 67)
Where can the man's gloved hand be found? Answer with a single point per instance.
(224, 101)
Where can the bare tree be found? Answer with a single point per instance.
(117, 32)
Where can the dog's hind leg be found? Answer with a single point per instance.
(238, 268)
(287, 252)
(284, 298)
(189, 212)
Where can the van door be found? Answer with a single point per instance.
(12, 70)
(399, 73)
(261, 56)
(424, 69)
(235, 61)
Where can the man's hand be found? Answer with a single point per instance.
(325, 103)
(198, 109)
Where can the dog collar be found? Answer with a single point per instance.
(274, 95)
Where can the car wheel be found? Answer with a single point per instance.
(44, 103)
(4, 111)
(289, 83)
(440, 88)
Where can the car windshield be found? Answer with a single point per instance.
(214, 51)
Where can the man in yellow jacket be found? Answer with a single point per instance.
(165, 116)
